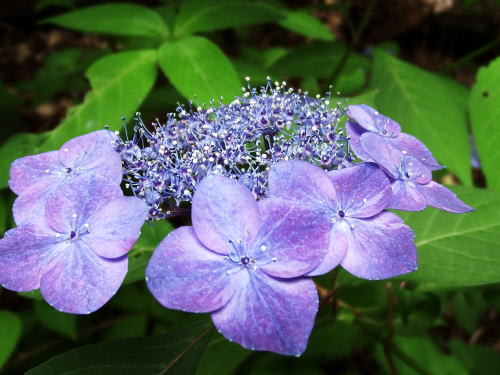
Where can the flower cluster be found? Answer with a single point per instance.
(276, 195)
(165, 162)
(74, 225)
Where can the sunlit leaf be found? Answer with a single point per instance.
(306, 24)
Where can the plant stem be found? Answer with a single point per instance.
(484, 48)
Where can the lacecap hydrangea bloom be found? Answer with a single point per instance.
(279, 192)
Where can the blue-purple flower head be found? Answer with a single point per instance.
(164, 162)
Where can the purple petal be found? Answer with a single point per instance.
(183, 274)
(301, 182)
(440, 197)
(116, 226)
(379, 248)
(78, 281)
(354, 130)
(25, 252)
(293, 239)
(30, 170)
(93, 152)
(373, 121)
(224, 210)
(407, 196)
(337, 249)
(387, 157)
(29, 207)
(415, 170)
(270, 315)
(70, 206)
(411, 146)
(363, 190)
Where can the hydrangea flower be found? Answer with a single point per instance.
(411, 180)
(366, 120)
(242, 261)
(34, 177)
(366, 240)
(75, 253)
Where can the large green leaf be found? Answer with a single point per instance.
(484, 107)
(306, 24)
(117, 19)
(427, 106)
(120, 82)
(197, 67)
(10, 332)
(54, 320)
(458, 250)
(205, 15)
(177, 352)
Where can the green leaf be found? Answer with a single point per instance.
(33, 294)
(316, 60)
(484, 107)
(468, 307)
(478, 359)
(206, 15)
(428, 106)
(18, 145)
(120, 82)
(56, 321)
(10, 332)
(177, 352)
(221, 357)
(458, 250)
(197, 67)
(306, 24)
(151, 236)
(115, 19)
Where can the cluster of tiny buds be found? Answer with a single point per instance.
(164, 161)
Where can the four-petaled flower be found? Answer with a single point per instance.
(368, 242)
(366, 120)
(76, 252)
(243, 261)
(34, 177)
(411, 180)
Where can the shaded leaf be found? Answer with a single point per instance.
(116, 19)
(484, 107)
(10, 332)
(206, 15)
(197, 67)
(306, 24)
(221, 357)
(478, 359)
(56, 321)
(177, 352)
(428, 106)
(458, 250)
(120, 82)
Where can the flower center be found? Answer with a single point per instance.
(245, 260)
(73, 235)
(341, 213)
(69, 170)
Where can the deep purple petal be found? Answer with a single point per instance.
(25, 252)
(116, 226)
(183, 274)
(293, 239)
(30, 170)
(78, 281)
(337, 248)
(354, 131)
(224, 210)
(270, 314)
(378, 250)
(387, 157)
(93, 152)
(363, 190)
(440, 197)
(407, 196)
(373, 121)
(71, 205)
(411, 146)
(29, 207)
(301, 182)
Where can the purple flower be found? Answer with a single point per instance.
(411, 180)
(242, 261)
(76, 252)
(34, 177)
(367, 120)
(368, 242)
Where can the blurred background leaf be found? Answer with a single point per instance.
(10, 332)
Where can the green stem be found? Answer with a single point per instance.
(470, 56)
